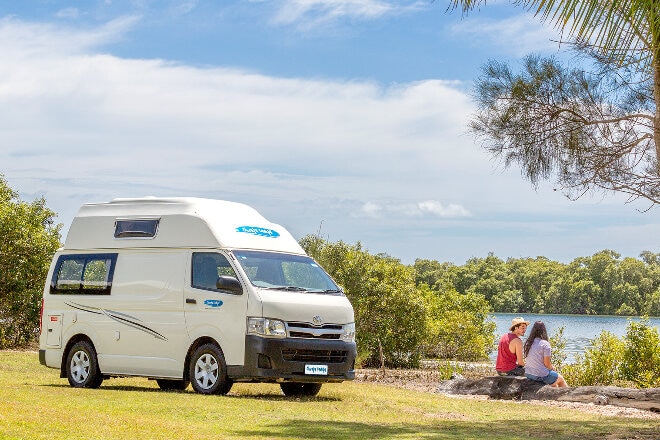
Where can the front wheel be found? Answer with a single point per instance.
(208, 370)
(294, 389)
(82, 366)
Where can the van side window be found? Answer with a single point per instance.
(136, 228)
(86, 274)
(207, 267)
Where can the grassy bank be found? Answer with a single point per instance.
(36, 403)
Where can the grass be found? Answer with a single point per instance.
(36, 404)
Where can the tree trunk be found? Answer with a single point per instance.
(520, 388)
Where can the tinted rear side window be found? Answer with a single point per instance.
(83, 274)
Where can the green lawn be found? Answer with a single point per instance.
(36, 403)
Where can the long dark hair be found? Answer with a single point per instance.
(538, 331)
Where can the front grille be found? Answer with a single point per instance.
(294, 334)
(324, 327)
(324, 356)
(310, 331)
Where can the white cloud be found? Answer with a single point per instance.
(391, 166)
(517, 35)
(95, 125)
(371, 209)
(419, 209)
(311, 14)
(183, 7)
(68, 13)
(23, 40)
(292, 11)
(436, 208)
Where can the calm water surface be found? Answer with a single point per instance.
(579, 330)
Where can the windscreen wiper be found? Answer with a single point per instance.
(327, 291)
(291, 288)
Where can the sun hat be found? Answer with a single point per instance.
(517, 321)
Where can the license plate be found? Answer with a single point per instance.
(321, 370)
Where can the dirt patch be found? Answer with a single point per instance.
(427, 380)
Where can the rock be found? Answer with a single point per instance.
(601, 400)
(520, 388)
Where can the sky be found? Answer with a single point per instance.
(343, 118)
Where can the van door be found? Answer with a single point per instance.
(142, 326)
(213, 312)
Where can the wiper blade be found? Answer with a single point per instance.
(327, 291)
(291, 288)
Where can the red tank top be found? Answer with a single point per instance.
(506, 361)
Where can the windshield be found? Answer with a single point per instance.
(285, 272)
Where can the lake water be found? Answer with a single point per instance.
(579, 330)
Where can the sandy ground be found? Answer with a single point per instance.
(428, 380)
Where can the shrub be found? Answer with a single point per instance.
(558, 343)
(641, 356)
(28, 240)
(633, 360)
(600, 364)
(458, 325)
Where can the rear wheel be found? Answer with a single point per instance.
(172, 384)
(295, 389)
(82, 366)
(208, 370)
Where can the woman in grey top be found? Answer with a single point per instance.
(538, 365)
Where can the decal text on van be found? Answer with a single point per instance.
(256, 230)
(213, 303)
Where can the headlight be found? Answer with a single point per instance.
(349, 332)
(273, 328)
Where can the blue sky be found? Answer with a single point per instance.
(346, 117)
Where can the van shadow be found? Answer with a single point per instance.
(275, 398)
(242, 395)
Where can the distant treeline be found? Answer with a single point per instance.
(603, 284)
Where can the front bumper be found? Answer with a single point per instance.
(281, 360)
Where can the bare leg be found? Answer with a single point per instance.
(561, 383)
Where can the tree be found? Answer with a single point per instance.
(592, 131)
(29, 239)
(390, 314)
(459, 326)
(406, 311)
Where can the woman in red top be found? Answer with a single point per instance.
(510, 360)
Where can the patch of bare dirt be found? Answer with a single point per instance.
(427, 380)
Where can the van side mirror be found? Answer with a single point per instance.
(229, 284)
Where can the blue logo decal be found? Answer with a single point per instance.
(256, 230)
(213, 303)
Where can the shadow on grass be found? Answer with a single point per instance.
(255, 396)
(117, 387)
(281, 397)
(452, 429)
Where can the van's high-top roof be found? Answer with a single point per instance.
(181, 222)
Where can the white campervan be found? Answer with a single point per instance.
(189, 290)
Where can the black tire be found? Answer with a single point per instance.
(82, 366)
(172, 384)
(208, 370)
(295, 389)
